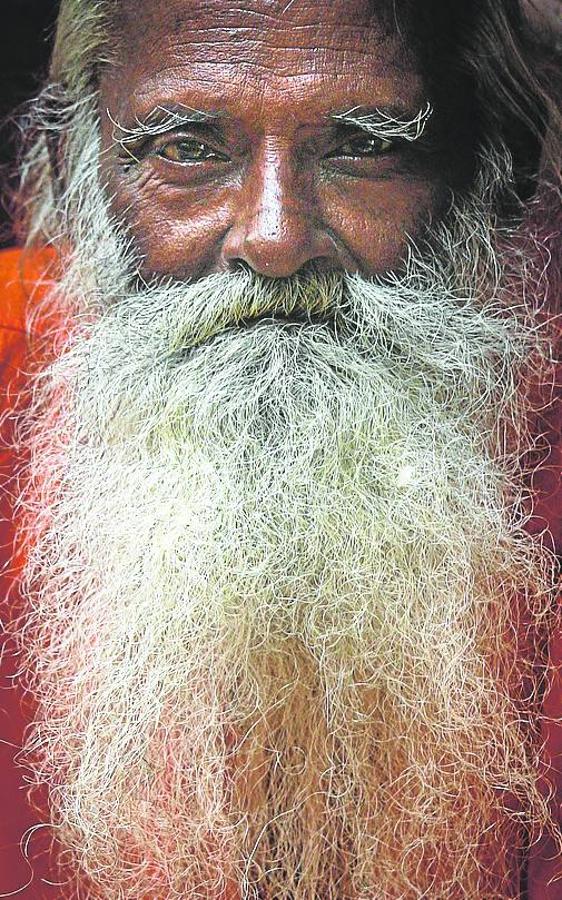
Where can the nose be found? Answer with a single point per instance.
(276, 230)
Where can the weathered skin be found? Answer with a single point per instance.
(286, 190)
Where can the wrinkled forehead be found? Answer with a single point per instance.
(344, 25)
(348, 50)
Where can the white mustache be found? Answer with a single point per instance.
(390, 317)
(226, 301)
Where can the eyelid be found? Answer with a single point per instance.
(150, 144)
(156, 149)
(363, 135)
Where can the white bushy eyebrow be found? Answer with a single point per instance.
(383, 124)
(160, 120)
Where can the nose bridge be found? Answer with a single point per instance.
(275, 229)
(276, 209)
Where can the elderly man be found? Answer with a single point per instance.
(284, 414)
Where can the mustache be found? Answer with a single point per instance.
(163, 321)
(242, 299)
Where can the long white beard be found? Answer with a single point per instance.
(275, 572)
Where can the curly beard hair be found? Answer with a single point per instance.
(284, 615)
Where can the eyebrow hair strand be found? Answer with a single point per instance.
(158, 121)
(384, 125)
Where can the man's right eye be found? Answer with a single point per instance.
(364, 146)
(187, 151)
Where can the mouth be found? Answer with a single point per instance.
(281, 317)
(274, 318)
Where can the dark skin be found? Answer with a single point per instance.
(271, 181)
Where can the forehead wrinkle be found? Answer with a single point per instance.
(257, 73)
(191, 29)
(223, 45)
(337, 66)
(339, 81)
(262, 15)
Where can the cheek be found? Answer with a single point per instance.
(175, 231)
(376, 219)
(182, 245)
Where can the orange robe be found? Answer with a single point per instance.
(27, 867)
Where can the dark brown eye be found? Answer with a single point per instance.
(364, 146)
(188, 150)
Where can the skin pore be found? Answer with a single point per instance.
(270, 179)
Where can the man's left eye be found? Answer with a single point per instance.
(364, 146)
(188, 150)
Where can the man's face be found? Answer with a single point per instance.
(271, 178)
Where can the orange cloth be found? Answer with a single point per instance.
(21, 278)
